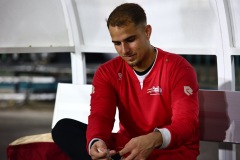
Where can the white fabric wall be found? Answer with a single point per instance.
(184, 23)
(176, 23)
(235, 20)
(35, 23)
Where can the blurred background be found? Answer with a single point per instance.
(43, 43)
(30, 77)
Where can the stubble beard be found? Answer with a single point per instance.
(133, 63)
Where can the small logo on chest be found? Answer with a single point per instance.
(119, 76)
(155, 90)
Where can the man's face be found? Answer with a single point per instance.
(132, 43)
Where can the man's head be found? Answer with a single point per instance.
(127, 13)
(131, 35)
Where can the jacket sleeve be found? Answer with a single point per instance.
(103, 108)
(184, 128)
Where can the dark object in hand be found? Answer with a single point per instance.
(116, 157)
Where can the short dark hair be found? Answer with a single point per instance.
(126, 13)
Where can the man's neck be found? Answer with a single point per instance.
(143, 72)
(150, 60)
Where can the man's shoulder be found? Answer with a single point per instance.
(173, 60)
(169, 56)
(108, 70)
(112, 64)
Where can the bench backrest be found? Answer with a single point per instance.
(73, 101)
(219, 116)
(219, 111)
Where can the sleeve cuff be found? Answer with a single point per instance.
(91, 143)
(166, 135)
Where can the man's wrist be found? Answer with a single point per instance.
(91, 143)
(95, 140)
(157, 139)
(166, 137)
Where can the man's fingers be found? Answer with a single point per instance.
(107, 153)
(123, 151)
(112, 152)
(131, 156)
(128, 154)
(99, 151)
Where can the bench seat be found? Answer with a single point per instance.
(219, 118)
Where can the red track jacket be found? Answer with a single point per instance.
(168, 99)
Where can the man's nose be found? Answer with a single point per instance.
(125, 48)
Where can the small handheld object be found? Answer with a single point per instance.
(114, 157)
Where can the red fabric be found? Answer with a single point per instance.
(163, 102)
(36, 151)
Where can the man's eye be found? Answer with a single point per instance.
(131, 40)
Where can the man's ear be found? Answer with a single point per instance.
(148, 30)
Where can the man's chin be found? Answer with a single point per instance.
(131, 64)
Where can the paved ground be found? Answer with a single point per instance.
(36, 118)
(27, 120)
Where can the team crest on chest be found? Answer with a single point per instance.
(155, 90)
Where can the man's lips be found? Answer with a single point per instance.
(129, 57)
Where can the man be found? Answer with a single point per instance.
(156, 93)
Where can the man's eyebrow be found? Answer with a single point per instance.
(115, 41)
(126, 39)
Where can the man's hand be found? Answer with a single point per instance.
(99, 151)
(139, 148)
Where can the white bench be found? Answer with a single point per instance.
(73, 101)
